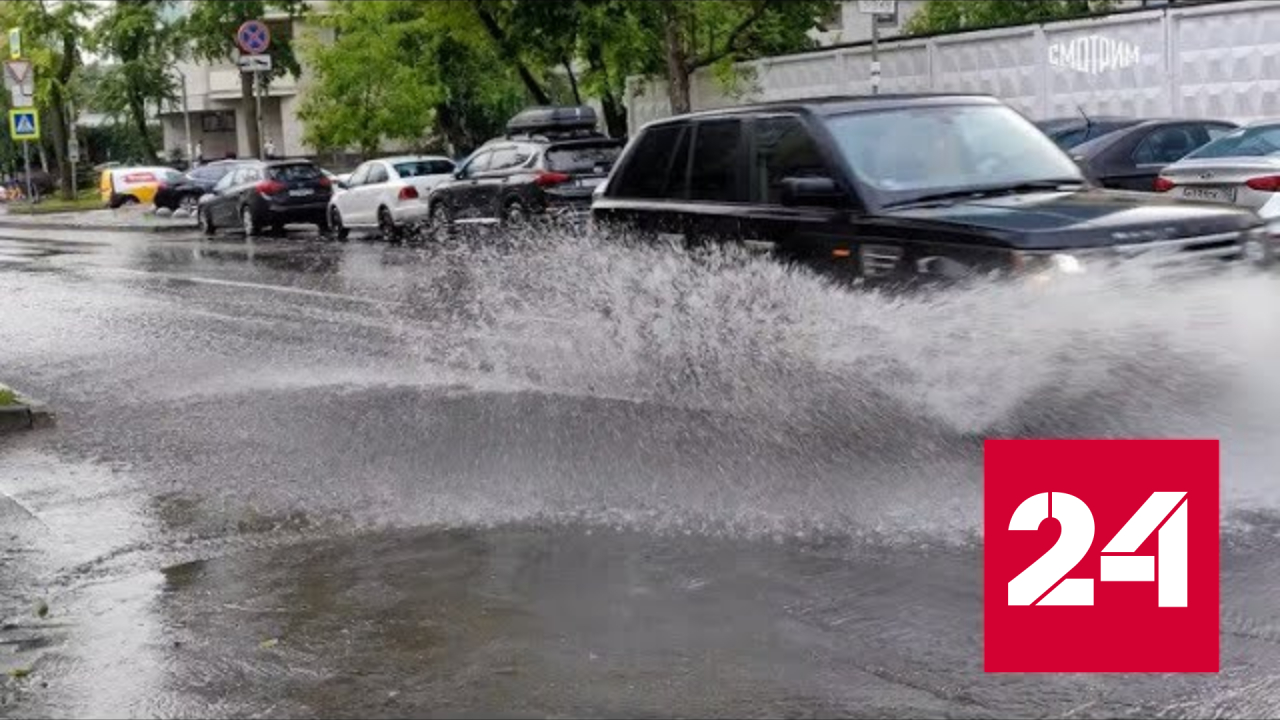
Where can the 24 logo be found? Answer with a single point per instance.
(1093, 549)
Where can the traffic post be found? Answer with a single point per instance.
(24, 120)
(254, 38)
(876, 9)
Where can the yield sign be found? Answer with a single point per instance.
(17, 73)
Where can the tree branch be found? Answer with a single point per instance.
(500, 39)
(731, 44)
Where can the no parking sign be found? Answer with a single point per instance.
(253, 37)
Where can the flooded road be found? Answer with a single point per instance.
(294, 477)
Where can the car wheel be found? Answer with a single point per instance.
(128, 200)
(188, 203)
(206, 222)
(387, 225)
(514, 213)
(339, 230)
(248, 222)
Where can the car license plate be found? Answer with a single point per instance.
(1223, 195)
(301, 192)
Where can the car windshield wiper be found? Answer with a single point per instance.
(982, 192)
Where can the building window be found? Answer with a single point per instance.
(222, 121)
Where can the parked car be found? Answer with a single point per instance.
(129, 185)
(896, 189)
(389, 194)
(1069, 132)
(1132, 157)
(546, 166)
(273, 193)
(1240, 168)
(186, 191)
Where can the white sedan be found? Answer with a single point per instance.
(387, 194)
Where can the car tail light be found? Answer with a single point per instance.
(408, 192)
(1266, 183)
(1164, 184)
(270, 187)
(324, 181)
(544, 179)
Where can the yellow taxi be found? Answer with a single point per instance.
(128, 185)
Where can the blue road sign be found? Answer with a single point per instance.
(253, 37)
(24, 124)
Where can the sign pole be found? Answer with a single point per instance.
(26, 161)
(257, 79)
(875, 54)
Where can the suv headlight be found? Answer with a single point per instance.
(1047, 264)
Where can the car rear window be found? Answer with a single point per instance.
(1258, 141)
(583, 158)
(292, 173)
(420, 168)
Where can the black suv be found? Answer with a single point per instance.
(186, 192)
(547, 165)
(897, 188)
(258, 194)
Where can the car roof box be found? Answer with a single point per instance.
(552, 119)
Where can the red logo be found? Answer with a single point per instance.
(1101, 556)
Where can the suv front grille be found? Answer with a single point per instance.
(879, 260)
(1223, 246)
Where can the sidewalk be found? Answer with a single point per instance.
(18, 412)
(125, 219)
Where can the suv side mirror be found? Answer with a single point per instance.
(811, 191)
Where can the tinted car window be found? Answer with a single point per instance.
(1166, 145)
(377, 174)
(420, 168)
(657, 165)
(583, 158)
(226, 181)
(784, 148)
(715, 174)
(211, 173)
(300, 171)
(1071, 138)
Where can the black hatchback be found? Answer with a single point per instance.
(547, 166)
(898, 189)
(260, 194)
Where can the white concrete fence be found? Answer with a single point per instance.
(1220, 61)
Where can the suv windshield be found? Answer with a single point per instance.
(1246, 142)
(907, 154)
(583, 158)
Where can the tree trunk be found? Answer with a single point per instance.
(615, 112)
(138, 109)
(573, 80)
(250, 112)
(677, 64)
(508, 52)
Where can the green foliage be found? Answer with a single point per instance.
(134, 35)
(367, 87)
(944, 16)
(423, 73)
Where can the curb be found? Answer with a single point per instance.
(62, 225)
(26, 414)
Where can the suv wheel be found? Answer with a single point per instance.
(206, 222)
(248, 222)
(188, 203)
(514, 213)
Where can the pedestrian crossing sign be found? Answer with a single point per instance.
(24, 124)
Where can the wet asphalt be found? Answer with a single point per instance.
(293, 477)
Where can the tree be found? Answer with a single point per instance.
(406, 71)
(703, 33)
(942, 16)
(210, 31)
(366, 87)
(51, 40)
(135, 35)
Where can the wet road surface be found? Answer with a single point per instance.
(294, 477)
